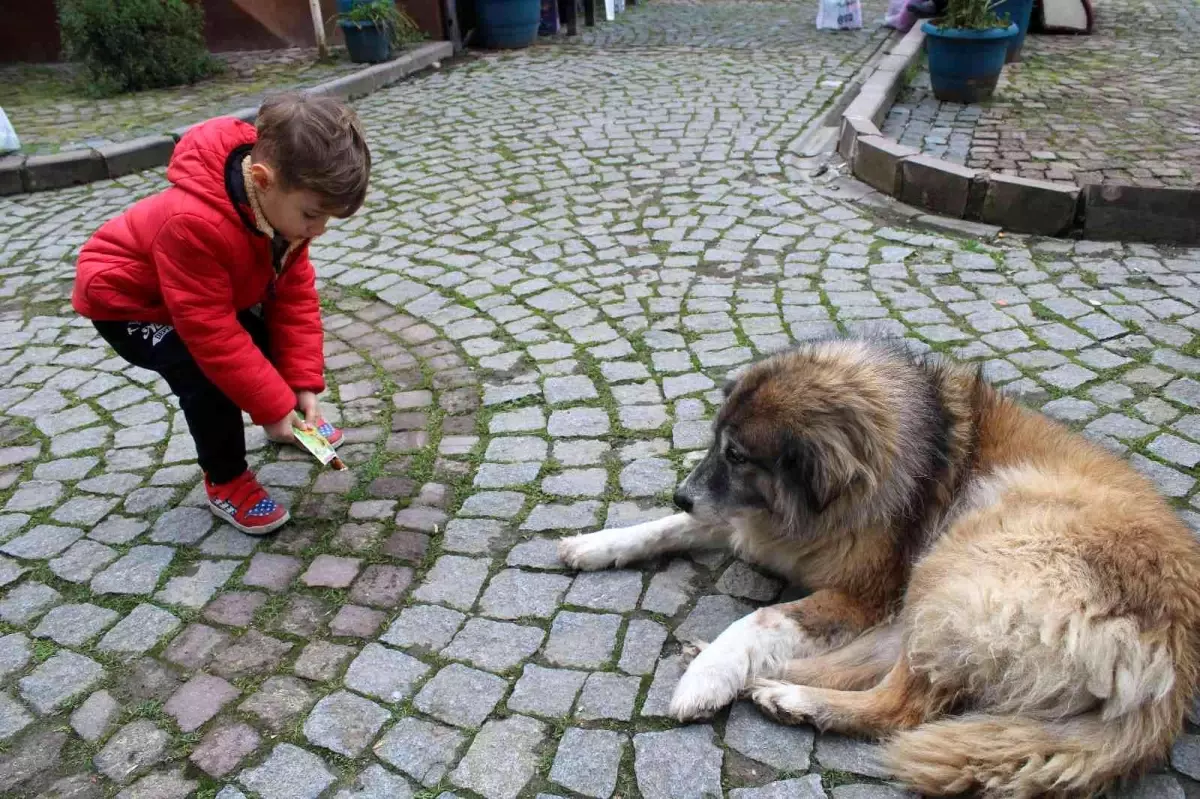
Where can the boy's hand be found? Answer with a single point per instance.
(306, 401)
(281, 431)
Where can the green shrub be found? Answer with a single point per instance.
(129, 45)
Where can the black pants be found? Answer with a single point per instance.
(214, 421)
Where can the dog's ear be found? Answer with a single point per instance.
(728, 388)
(819, 474)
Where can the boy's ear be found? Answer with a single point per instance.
(263, 175)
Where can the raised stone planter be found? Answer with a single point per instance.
(1127, 213)
(42, 172)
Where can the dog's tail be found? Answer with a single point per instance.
(1016, 757)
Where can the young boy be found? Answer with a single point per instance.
(209, 283)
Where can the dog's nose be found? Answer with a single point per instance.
(683, 502)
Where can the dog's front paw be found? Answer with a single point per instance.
(784, 702)
(704, 689)
(589, 552)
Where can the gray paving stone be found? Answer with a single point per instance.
(197, 585)
(576, 483)
(670, 589)
(16, 650)
(13, 717)
(460, 695)
(198, 700)
(586, 761)
(608, 696)
(502, 758)
(573, 516)
(161, 785)
(710, 617)
(546, 692)
(849, 755)
(288, 773)
(506, 475)
(494, 646)
(137, 572)
(43, 541)
(95, 717)
(182, 526)
(666, 677)
(740, 580)
(1151, 786)
(472, 536)
(132, 750)
(279, 703)
(82, 560)
(648, 477)
(454, 580)
(140, 631)
(678, 764)
(421, 749)
(493, 504)
(62, 678)
(27, 601)
(582, 640)
(784, 748)
(1185, 755)
(578, 422)
(253, 653)
(376, 782)
(385, 674)
(808, 787)
(74, 625)
(515, 594)
(34, 495)
(614, 590)
(424, 626)
(344, 723)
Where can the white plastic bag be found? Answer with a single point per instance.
(9, 143)
(839, 15)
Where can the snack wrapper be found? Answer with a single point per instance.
(320, 448)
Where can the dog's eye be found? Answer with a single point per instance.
(734, 457)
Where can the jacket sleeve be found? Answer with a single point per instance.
(297, 338)
(198, 293)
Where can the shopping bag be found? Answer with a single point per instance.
(9, 143)
(839, 15)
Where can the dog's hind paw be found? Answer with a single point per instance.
(782, 701)
(589, 552)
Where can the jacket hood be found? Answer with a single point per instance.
(198, 163)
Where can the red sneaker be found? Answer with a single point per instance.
(245, 504)
(331, 433)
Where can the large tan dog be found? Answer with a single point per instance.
(1013, 609)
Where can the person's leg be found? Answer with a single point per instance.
(214, 422)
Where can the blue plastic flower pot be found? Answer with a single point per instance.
(366, 42)
(1019, 13)
(964, 65)
(508, 24)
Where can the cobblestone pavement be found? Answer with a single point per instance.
(527, 328)
(51, 115)
(1119, 106)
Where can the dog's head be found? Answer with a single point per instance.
(803, 437)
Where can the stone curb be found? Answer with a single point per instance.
(1019, 205)
(20, 173)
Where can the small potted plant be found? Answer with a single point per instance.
(374, 28)
(967, 49)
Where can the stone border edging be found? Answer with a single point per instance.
(20, 173)
(1020, 205)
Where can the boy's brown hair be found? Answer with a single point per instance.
(315, 143)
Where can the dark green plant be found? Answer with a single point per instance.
(975, 15)
(129, 45)
(385, 15)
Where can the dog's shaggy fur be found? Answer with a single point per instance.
(1013, 609)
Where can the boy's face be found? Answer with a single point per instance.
(294, 213)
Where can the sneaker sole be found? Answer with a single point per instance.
(260, 530)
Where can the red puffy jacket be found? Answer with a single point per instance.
(191, 258)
